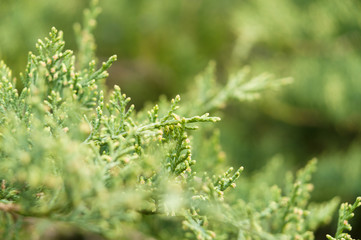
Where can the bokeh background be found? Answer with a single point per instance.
(162, 45)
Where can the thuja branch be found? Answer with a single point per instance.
(183, 120)
(346, 212)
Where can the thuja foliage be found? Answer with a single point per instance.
(75, 158)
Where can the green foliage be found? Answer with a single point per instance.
(71, 153)
(345, 213)
(211, 96)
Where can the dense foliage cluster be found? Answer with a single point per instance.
(75, 158)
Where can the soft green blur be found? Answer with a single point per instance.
(162, 45)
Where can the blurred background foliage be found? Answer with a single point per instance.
(163, 45)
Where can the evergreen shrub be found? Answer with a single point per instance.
(79, 160)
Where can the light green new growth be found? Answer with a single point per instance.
(345, 214)
(213, 96)
(76, 159)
